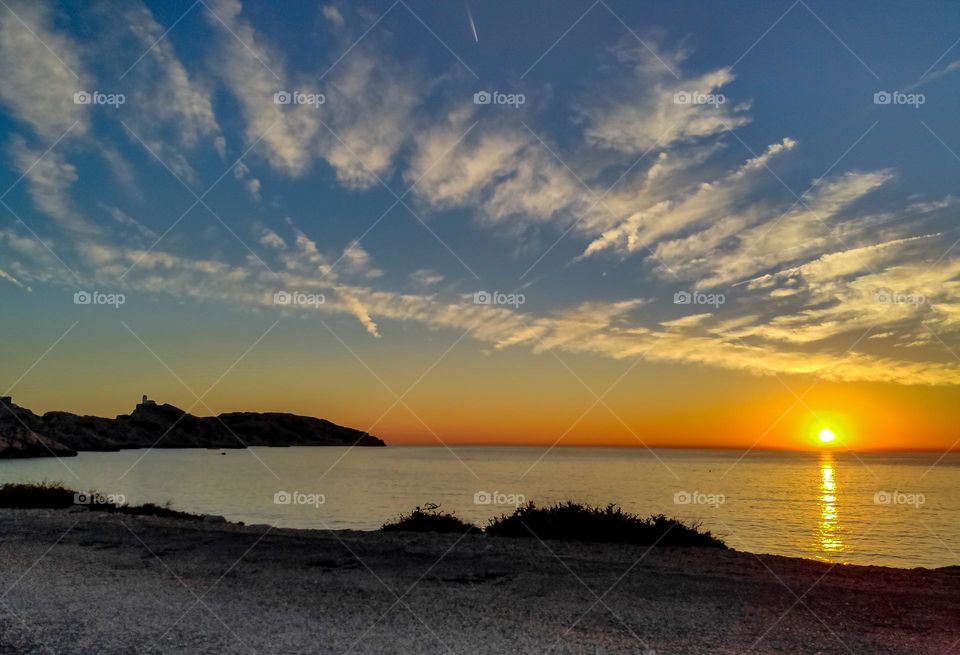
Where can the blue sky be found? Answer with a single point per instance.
(791, 195)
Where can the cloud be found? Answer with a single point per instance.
(648, 111)
(38, 83)
(926, 207)
(9, 278)
(29, 260)
(124, 219)
(272, 240)
(807, 230)
(252, 185)
(333, 15)
(844, 292)
(425, 277)
(800, 277)
(616, 329)
(360, 311)
(358, 129)
(952, 67)
(450, 171)
(504, 173)
(357, 261)
(121, 168)
(515, 178)
(803, 271)
(704, 203)
(370, 101)
(169, 109)
(248, 68)
(49, 177)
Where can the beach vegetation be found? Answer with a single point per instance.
(578, 522)
(54, 495)
(429, 518)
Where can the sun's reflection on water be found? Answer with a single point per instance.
(829, 542)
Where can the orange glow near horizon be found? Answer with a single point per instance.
(467, 398)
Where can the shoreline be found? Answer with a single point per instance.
(733, 450)
(82, 581)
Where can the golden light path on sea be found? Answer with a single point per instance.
(829, 539)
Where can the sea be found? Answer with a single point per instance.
(889, 509)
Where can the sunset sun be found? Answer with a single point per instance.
(826, 436)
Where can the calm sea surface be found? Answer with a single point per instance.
(890, 509)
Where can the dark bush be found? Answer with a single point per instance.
(42, 495)
(53, 495)
(149, 509)
(429, 518)
(578, 522)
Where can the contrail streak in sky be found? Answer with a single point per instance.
(473, 26)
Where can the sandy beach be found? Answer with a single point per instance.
(83, 582)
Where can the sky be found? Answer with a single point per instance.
(607, 223)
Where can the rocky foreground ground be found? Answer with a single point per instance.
(83, 582)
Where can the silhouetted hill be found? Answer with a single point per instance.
(24, 434)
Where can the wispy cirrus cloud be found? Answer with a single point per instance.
(357, 129)
(703, 203)
(654, 109)
(40, 70)
(800, 276)
(760, 343)
(49, 178)
(173, 111)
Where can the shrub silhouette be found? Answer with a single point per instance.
(429, 518)
(42, 495)
(578, 522)
(53, 495)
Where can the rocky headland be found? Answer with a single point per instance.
(62, 434)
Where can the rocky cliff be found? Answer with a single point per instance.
(25, 434)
